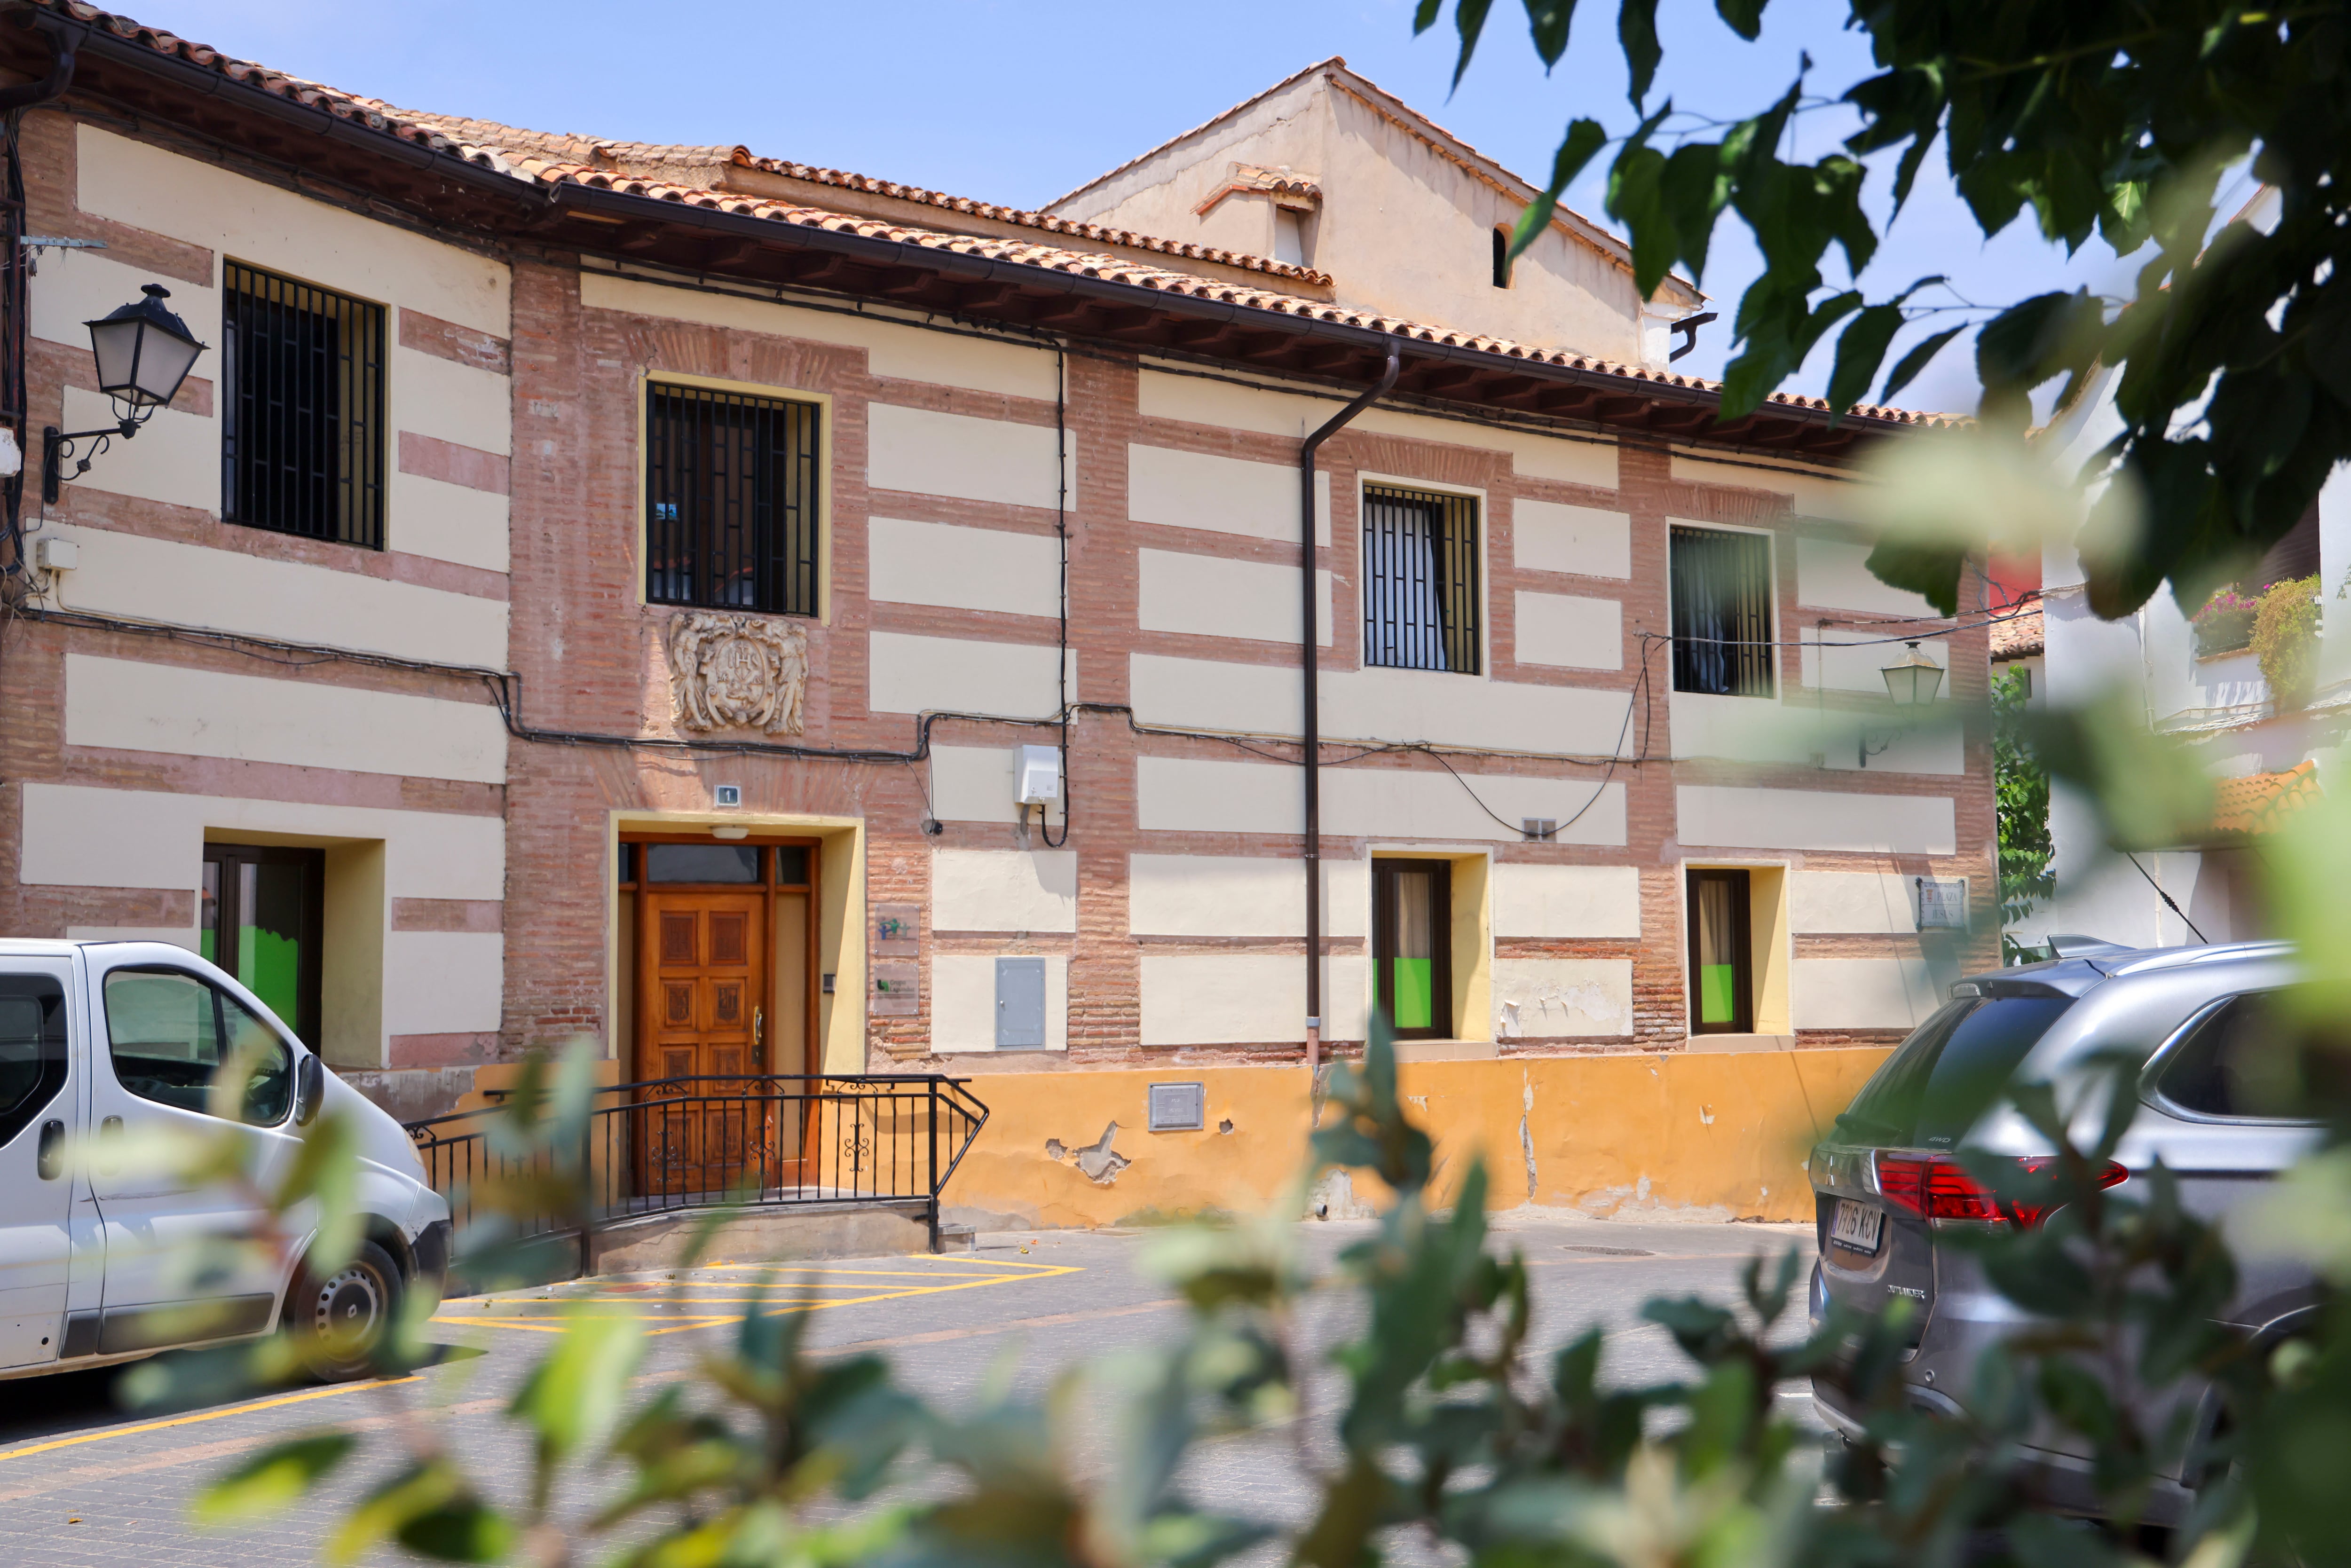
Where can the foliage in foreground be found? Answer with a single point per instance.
(2021, 794)
(2116, 118)
(1433, 1426)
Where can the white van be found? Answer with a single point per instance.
(112, 1046)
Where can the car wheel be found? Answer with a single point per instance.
(341, 1318)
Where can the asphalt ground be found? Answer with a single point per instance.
(85, 1481)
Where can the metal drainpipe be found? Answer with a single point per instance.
(1310, 620)
(60, 76)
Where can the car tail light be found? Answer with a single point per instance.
(1936, 1188)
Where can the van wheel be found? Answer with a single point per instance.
(341, 1321)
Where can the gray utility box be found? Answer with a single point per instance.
(1019, 1004)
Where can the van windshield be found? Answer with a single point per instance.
(1949, 1073)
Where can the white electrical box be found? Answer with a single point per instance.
(11, 456)
(57, 554)
(1037, 775)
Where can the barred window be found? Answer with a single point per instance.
(302, 427)
(730, 501)
(1722, 612)
(1420, 581)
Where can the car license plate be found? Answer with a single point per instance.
(1856, 1225)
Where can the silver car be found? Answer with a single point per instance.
(1889, 1188)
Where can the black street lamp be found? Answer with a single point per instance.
(144, 353)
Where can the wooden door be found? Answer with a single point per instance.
(702, 991)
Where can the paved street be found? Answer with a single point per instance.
(82, 1481)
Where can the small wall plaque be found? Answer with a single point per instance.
(1942, 904)
(1178, 1107)
(897, 991)
(897, 930)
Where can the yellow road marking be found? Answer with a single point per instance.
(245, 1409)
(489, 1316)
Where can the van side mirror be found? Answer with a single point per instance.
(310, 1089)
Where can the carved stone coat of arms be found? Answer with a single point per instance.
(738, 672)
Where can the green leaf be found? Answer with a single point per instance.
(326, 1166)
(272, 1480)
(1548, 21)
(1582, 143)
(1861, 347)
(1468, 20)
(1906, 368)
(1745, 18)
(573, 1397)
(1931, 571)
(1424, 14)
(1636, 29)
(433, 1498)
(464, 1532)
(1693, 190)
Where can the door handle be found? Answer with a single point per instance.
(50, 1157)
(110, 1144)
(759, 1026)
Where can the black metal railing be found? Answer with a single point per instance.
(670, 1145)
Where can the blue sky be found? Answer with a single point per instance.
(1017, 102)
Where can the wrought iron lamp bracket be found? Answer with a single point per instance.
(56, 445)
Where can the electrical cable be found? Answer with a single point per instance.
(1062, 534)
(2166, 898)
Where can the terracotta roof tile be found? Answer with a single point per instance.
(553, 160)
(2017, 635)
(2259, 803)
(655, 159)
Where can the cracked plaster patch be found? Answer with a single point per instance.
(1100, 1164)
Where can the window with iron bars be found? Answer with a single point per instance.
(1420, 581)
(302, 400)
(730, 500)
(1722, 612)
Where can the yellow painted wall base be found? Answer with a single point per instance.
(1713, 1136)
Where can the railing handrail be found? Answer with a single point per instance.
(676, 1143)
(909, 1080)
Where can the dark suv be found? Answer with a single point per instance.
(1889, 1186)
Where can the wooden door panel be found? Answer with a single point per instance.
(702, 989)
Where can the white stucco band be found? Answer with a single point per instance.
(1004, 890)
(1242, 895)
(81, 836)
(1541, 998)
(914, 562)
(1566, 901)
(442, 982)
(1570, 632)
(1716, 815)
(1830, 902)
(132, 706)
(1223, 495)
(1210, 596)
(1195, 795)
(955, 674)
(1245, 999)
(147, 578)
(1546, 535)
(932, 454)
(1860, 993)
